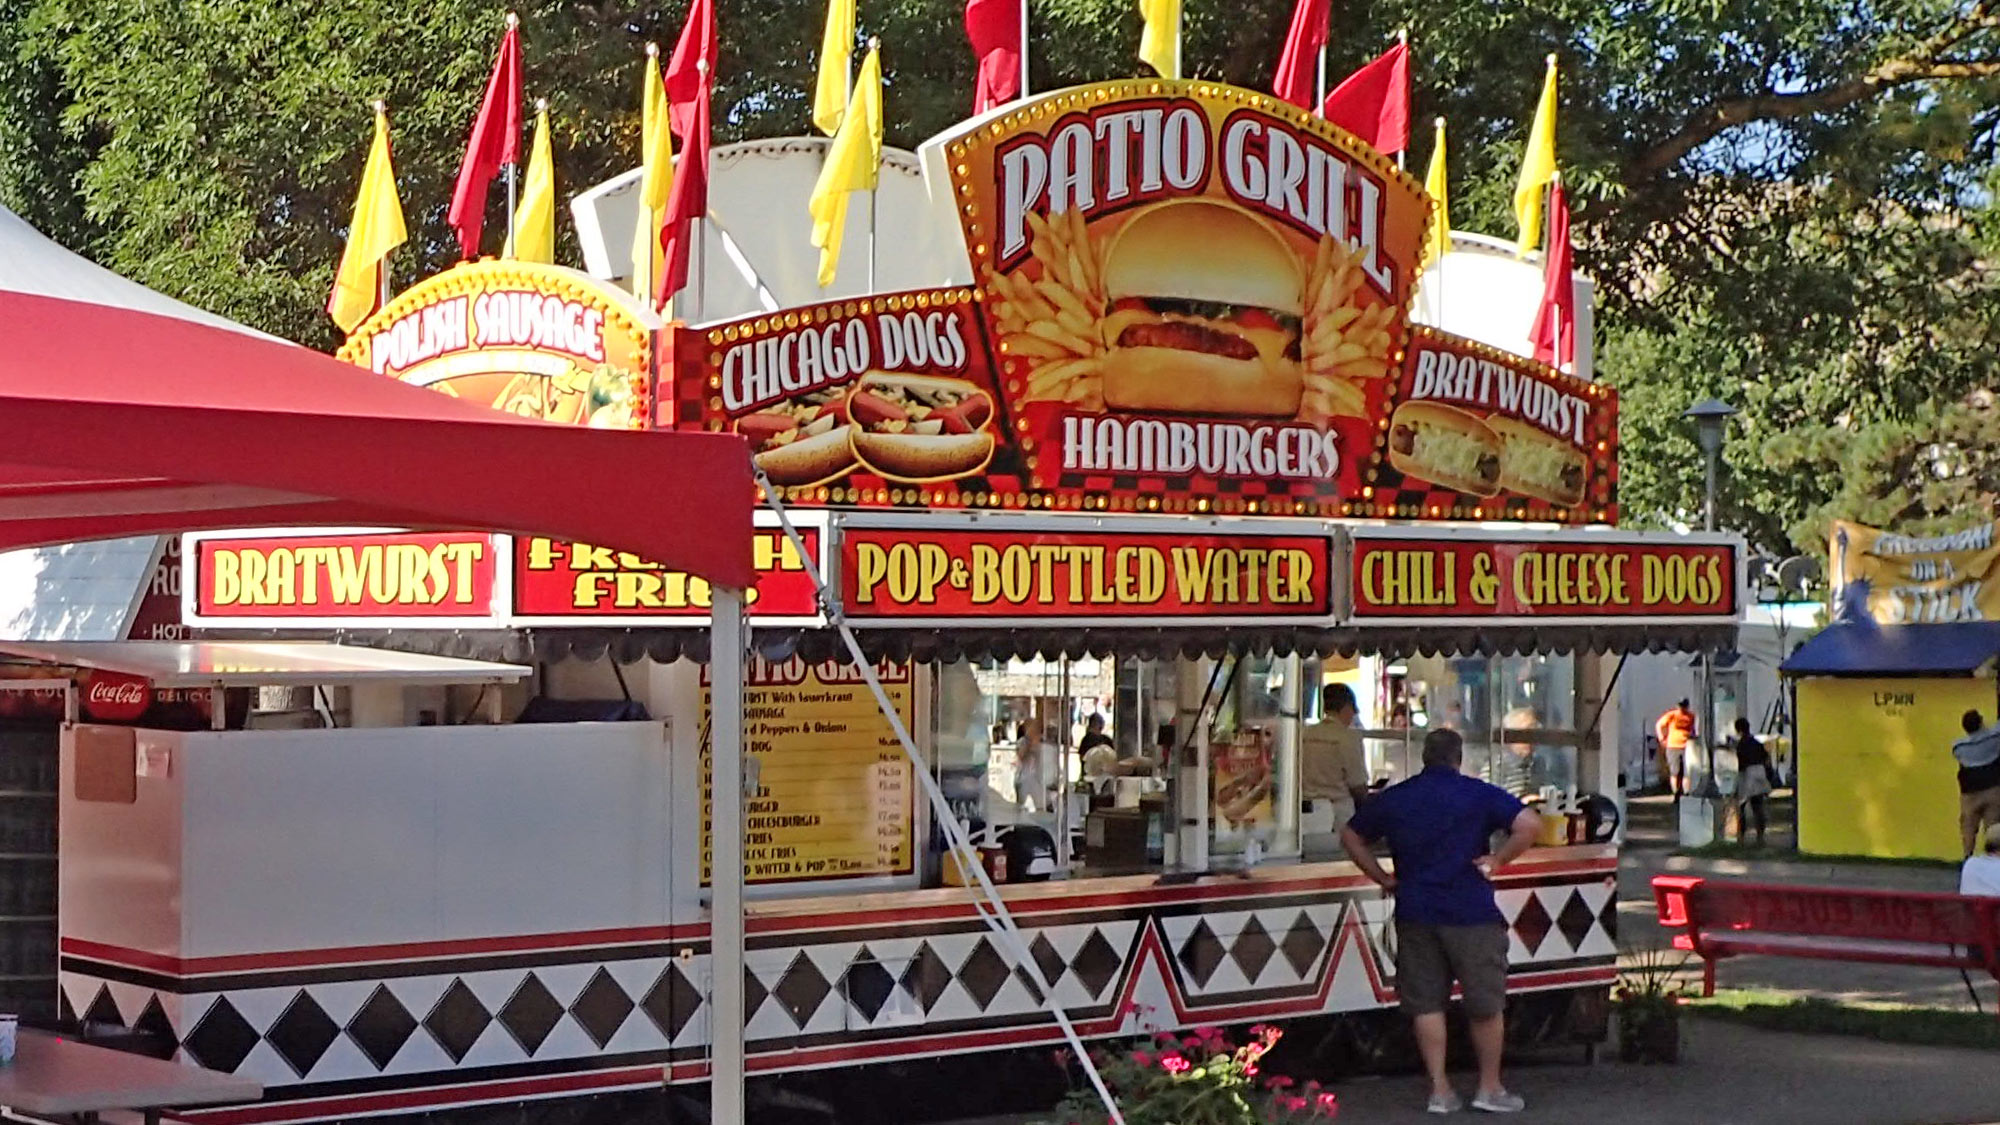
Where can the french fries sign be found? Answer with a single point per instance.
(915, 574)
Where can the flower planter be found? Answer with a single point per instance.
(1650, 1036)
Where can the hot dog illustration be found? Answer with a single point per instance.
(1446, 446)
(919, 427)
(802, 441)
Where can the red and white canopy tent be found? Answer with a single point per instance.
(118, 422)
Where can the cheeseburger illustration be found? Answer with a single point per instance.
(1445, 445)
(1534, 464)
(1204, 314)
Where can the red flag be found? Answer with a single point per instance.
(1554, 335)
(687, 203)
(495, 140)
(994, 27)
(1374, 102)
(691, 72)
(1298, 66)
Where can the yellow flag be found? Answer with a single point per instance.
(1538, 166)
(533, 238)
(853, 163)
(836, 55)
(376, 230)
(1160, 42)
(1438, 239)
(656, 181)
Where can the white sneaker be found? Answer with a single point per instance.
(1444, 1103)
(1499, 1101)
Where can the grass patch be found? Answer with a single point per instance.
(1732, 850)
(1814, 1015)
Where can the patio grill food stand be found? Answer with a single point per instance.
(1178, 457)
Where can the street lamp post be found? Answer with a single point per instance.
(1700, 819)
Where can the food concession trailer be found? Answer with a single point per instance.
(1177, 450)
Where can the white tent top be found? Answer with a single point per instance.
(32, 263)
(197, 664)
(83, 591)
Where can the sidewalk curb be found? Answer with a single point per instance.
(1780, 870)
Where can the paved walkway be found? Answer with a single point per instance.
(1732, 1075)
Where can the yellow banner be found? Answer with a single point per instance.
(1908, 579)
(834, 792)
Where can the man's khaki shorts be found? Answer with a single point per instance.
(1429, 958)
(1976, 809)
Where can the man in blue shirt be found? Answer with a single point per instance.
(1438, 825)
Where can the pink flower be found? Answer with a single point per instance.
(1207, 1033)
(1142, 1058)
(1176, 1064)
(1327, 1101)
(1281, 1082)
(1293, 1104)
(1250, 1068)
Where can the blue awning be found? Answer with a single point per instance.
(1867, 649)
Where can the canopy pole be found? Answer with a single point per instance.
(725, 927)
(992, 909)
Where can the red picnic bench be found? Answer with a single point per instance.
(1718, 918)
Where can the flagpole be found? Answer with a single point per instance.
(875, 192)
(382, 267)
(1024, 50)
(1402, 157)
(1319, 84)
(642, 265)
(513, 21)
(698, 230)
(1180, 19)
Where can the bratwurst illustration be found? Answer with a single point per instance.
(1534, 464)
(1445, 445)
(919, 427)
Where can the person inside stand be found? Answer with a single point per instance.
(1978, 755)
(1031, 793)
(1675, 730)
(1981, 873)
(1448, 925)
(1094, 736)
(1753, 781)
(1100, 754)
(1333, 769)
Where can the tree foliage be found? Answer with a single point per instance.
(1785, 202)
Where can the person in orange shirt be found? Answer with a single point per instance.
(1675, 729)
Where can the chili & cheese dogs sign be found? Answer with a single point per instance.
(536, 340)
(1491, 579)
(915, 575)
(1476, 433)
(344, 577)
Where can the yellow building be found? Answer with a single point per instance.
(1878, 709)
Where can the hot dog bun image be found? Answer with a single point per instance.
(801, 442)
(919, 427)
(1446, 446)
(1205, 302)
(1534, 464)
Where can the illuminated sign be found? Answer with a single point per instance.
(575, 583)
(1476, 433)
(834, 796)
(911, 574)
(1542, 578)
(536, 340)
(292, 579)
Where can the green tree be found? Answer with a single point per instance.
(1782, 200)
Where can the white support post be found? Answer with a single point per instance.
(725, 910)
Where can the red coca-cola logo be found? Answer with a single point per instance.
(114, 697)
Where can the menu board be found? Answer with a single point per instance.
(834, 793)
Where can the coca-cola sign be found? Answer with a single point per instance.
(114, 697)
